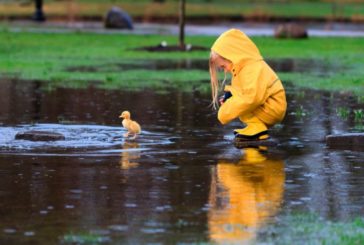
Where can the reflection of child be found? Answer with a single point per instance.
(257, 96)
(244, 196)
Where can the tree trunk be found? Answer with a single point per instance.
(39, 15)
(182, 8)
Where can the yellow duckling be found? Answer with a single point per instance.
(132, 126)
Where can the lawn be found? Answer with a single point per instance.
(111, 61)
(311, 229)
(146, 10)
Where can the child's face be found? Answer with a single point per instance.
(223, 64)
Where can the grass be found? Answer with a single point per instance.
(309, 229)
(48, 56)
(358, 115)
(147, 9)
(292, 229)
(84, 238)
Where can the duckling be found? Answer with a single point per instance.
(132, 126)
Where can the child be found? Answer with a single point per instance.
(257, 97)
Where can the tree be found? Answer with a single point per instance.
(182, 10)
(39, 15)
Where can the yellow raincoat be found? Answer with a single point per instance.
(256, 89)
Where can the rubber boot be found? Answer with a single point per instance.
(255, 129)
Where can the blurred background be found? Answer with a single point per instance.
(201, 11)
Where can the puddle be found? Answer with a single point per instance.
(303, 65)
(181, 181)
(144, 64)
(279, 65)
(90, 139)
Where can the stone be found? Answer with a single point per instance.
(290, 31)
(118, 19)
(34, 135)
(347, 141)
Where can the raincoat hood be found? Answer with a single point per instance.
(237, 47)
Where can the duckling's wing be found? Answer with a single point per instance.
(135, 127)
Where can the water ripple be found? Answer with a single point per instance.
(98, 138)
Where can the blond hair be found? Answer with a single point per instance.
(215, 84)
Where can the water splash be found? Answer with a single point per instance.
(97, 139)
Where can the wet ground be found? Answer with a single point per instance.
(280, 65)
(181, 181)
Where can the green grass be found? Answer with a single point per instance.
(84, 238)
(47, 56)
(300, 229)
(309, 229)
(145, 9)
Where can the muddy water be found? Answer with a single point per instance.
(181, 181)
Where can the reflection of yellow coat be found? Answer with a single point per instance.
(252, 191)
(255, 86)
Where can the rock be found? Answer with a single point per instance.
(290, 31)
(118, 19)
(39, 136)
(348, 141)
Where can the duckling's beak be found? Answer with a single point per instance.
(121, 116)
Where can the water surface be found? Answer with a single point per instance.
(181, 181)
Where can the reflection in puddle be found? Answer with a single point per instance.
(129, 155)
(243, 196)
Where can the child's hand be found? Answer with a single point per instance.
(225, 97)
(221, 100)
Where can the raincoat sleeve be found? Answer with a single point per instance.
(247, 94)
